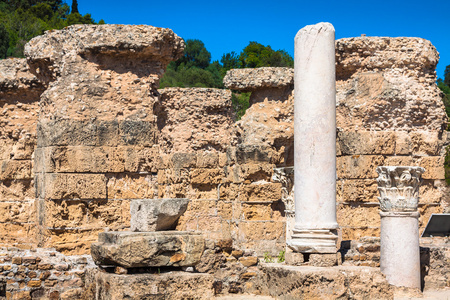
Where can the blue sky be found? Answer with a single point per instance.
(226, 26)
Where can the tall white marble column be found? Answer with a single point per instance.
(400, 250)
(315, 229)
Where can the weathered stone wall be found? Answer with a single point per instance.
(97, 133)
(43, 274)
(85, 132)
(389, 112)
(104, 136)
(19, 99)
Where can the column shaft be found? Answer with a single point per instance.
(315, 140)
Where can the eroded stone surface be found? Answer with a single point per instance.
(156, 214)
(172, 285)
(259, 78)
(148, 249)
(289, 282)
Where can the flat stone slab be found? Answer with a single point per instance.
(148, 249)
(172, 285)
(302, 282)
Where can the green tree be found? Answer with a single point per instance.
(446, 90)
(195, 55)
(447, 76)
(256, 55)
(4, 41)
(25, 19)
(230, 61)
(75, 7)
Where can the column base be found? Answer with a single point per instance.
(313, 240)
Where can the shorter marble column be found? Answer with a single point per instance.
(399, 197)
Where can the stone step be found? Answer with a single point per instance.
(243, 297)
(342, 282)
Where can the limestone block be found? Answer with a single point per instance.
(225, 210)
(70, 241)
(141, 159)
(255, 172)
(80, 159)
(184, 160)
(255, 212)
(358, 215)
(15, 76)
(303, 282)
(138, 132)
(294, 258)
(230, 191)
(434, 167)
(431, 191)
(156, 214)
(252, 154)
(148, 249)
(403, 144)
(17, 212)
(357, 190)
(399, 161)
(426, 142)
(202, 207)
(132, 186)
(211, 224)
(172, 285)
(206, 176)
(261, 192)
(17, 190)
(15, 169)
(71, 186)
(18, 233)
(81, 214)
(259, 78)
(352, 233)
(68, 132)
(269, 230)
(358, 166)
(207, 159)
(366, 142)
(323, 260)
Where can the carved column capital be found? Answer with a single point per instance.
(399, 188)
(285, 176)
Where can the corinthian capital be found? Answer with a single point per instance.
(399, 188)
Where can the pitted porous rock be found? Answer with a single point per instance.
(195, 118)
(102, 71)
(15, 77)
(413, 56)
(139, 41)
(254, 79)
(388, 83)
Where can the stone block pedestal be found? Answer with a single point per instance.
(148, 249)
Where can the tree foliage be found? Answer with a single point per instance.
(25, 19)
(74, 7)
(4, 41)
(256, 55)
(195, 69)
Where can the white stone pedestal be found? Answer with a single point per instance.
(315, 228)
(400, 251)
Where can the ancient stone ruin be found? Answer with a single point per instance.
(111, 188)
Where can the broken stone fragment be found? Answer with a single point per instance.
(148, 249)
(156, 214)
